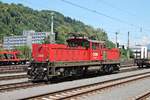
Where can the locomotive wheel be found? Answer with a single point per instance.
(140, 66)
(39, 74)
(36, 73)
(31, 70)
(108, 69)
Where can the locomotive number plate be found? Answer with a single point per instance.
(40, 55)
(95, 54)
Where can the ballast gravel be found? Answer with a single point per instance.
(129, 91)
(13, 81)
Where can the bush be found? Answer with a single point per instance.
(26, 51)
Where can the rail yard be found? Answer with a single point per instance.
(74, 50)
(86, 69)
(12, 85)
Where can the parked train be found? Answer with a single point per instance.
(11, 57)
(141, 57)
(78, 57)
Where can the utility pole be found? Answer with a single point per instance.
(52, 22)
(128, 52)
(116, 38)
(52, 25)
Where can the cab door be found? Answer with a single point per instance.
(96, 53)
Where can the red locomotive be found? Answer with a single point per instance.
(11, 57)
(76, 58)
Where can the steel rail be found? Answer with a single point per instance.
(143, 96)
(14, 86)
(86, 89)
(21, 85)
(12, 77)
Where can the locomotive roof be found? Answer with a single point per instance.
(96, 41)
(85, 39)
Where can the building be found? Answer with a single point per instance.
(140, 51)
(13, 41)
(27, 38)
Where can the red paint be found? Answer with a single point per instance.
(60, 52)
(10, 56)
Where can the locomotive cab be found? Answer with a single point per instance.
(78, 42)
(85, 42)
(94, 47)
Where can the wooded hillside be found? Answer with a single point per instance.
(14, 18)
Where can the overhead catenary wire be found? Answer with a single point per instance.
(101, 14)
(93, 11)
(117, 8)
(120, 9)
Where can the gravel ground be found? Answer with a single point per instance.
(124, 68)
(13, 81)
(124, 92)
(23, 93)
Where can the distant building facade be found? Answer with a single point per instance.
(12, 41)
(140, 51)
(27, 38)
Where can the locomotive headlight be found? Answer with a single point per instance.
(44, 69)
(29, 68)
(32, 59)
(47, 60)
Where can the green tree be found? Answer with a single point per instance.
(124, 53)
(61, 39)
(14, 18)
(110, 44)
(25, 50)
(46, 40)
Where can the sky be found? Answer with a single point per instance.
(120, 16)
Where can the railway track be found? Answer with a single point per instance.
(145, 96)
(11, 77)
(18, 85)
(25, 85)
(13, 68)
(21, 85)
(77, 92)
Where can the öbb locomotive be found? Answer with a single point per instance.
(78, 57)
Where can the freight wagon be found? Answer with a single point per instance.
(141, 57)
(11, 57)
